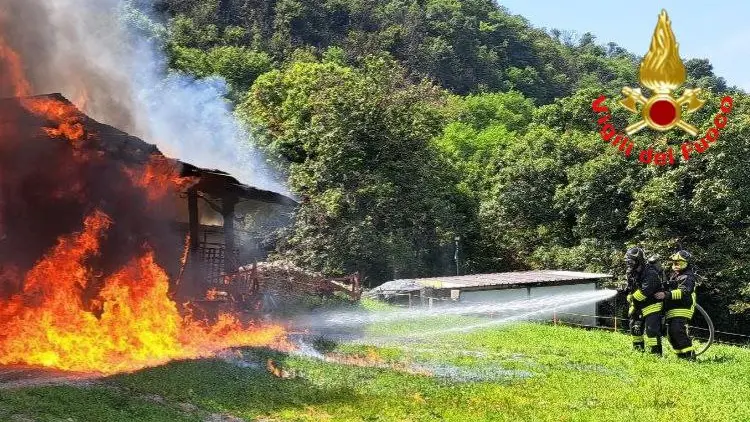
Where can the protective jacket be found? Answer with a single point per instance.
(642, 286)
(680, 295)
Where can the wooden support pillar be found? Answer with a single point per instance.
(227, 211)
(194, 218)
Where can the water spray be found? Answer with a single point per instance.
(518, 309)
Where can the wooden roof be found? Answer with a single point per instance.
(118, 145)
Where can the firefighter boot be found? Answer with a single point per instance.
(657, 350)
(636, 332)
(688, 355)
(654, 345)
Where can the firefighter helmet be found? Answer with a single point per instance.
(681, 260)
(635, 257)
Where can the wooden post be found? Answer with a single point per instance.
(615, 313)
(430, 302)
(194, 218)
(254, 276)
(227, 211)
(554, 316)
(356, 289)
(191, 282)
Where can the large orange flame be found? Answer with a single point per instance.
(159, 177)
(49, 324)
(10, 64)
(66, 119)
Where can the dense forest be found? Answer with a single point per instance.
(403, 125)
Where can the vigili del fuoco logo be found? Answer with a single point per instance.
(662, 72)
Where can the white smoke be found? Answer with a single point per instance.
(112, 53)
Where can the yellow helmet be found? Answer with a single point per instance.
(680, 260)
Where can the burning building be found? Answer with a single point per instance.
(187, 213)
(104, 241)
(101, 241)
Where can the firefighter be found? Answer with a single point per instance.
(679, 304)
(644, 281)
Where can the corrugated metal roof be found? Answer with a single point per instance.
(510, 279)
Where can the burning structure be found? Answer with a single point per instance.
(104, 241)
(93, 262)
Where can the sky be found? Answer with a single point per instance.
(718, 31)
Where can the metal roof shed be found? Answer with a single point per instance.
(496, 288)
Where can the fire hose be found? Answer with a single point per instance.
(711, 331)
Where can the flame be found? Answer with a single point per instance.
(212, 294)
(66, 117)
(48, 323)
(10, 64)
(662, 69)
(185, 251)
(183, 258)
(159, 177)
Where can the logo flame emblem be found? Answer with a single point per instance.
(662, 71)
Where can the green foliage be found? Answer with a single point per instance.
(240, 66)
(466, 46)
(376, 197)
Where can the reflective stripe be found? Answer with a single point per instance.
(680, 313)
(652, 341)
(683, 312)
(638, 295)
(650, 309)
(687, 349)
(676, 294)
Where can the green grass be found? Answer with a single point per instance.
(576, 375)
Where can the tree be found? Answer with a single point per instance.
(376, 195)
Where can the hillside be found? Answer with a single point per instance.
(525, 372)
(406, 125)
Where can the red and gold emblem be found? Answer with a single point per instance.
(662, 71)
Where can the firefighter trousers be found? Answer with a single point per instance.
(646, 332)
(677, 332)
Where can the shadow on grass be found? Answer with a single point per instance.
(220, 386)
(721, 358)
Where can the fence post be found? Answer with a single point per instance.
(614, 311)
(554, 316)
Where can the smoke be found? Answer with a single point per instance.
(107, 57)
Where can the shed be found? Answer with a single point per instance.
(499, 288)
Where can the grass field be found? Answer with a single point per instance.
(523, 372)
